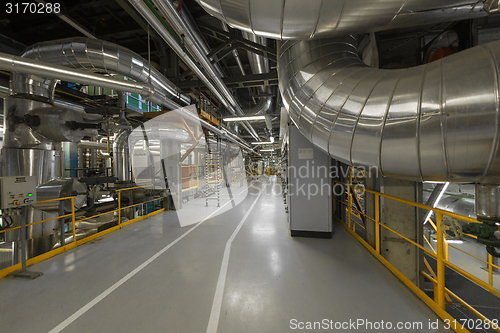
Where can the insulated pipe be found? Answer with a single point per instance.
(167, 9)
(191, 26)
(92, 145)
(299, 19)
(94, 56)
(435, 122)
(217, 86)
(259, 65)
(121, 157)
(236, 55)
(19, 66)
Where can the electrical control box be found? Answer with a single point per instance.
(17, 191)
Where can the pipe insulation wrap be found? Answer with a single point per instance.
(299, 19)
(435, 122)
(91, 55)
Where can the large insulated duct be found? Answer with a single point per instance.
(299, 19)
(92, 55)
(435, 122)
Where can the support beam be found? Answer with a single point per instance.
(242, 81)
(224, 36)
(406, 220)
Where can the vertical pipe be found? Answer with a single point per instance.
(81, 161)
(73, 218)
(206, 176)
(439, 298)
(377, 223)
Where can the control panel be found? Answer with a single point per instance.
(17, 191)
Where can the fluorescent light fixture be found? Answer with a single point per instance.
(262, 143)
(437, 201)
(454, 241)
(450, 241)
(272, 139)
(267, 150)
(245, 118)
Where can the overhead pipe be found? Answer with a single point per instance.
(305, 20)
(191, 26)
(94, 56)
(20, 65)
(217, 86)
(5, 92)
(260, 65)
(23, 66)
(235, 52)
(70, 22)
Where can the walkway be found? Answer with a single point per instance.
(137, 280)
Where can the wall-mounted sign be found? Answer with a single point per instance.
(306, 153)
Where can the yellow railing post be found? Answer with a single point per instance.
(446, 250)
(377, 223)
(119, 208)
(440, 300)
(349, 206)
(73, 218)
(490, 269)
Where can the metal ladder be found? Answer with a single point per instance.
(218, 172)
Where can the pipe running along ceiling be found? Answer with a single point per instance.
(91, 55)
(35, 78)
(299, 19)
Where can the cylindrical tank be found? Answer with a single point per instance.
(60, 188)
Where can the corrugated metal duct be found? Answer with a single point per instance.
(299, 19)
(435, 122)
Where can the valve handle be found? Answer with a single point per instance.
(451, 228)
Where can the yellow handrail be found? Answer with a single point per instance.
(441, 254)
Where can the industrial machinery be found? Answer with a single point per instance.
(64, 150)
(16, 192)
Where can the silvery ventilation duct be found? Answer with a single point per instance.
(299, 19)
(435, 122)
(91, 55)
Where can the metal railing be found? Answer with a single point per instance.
(440, 254)
(76, 242)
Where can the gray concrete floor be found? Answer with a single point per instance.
(272, 279)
